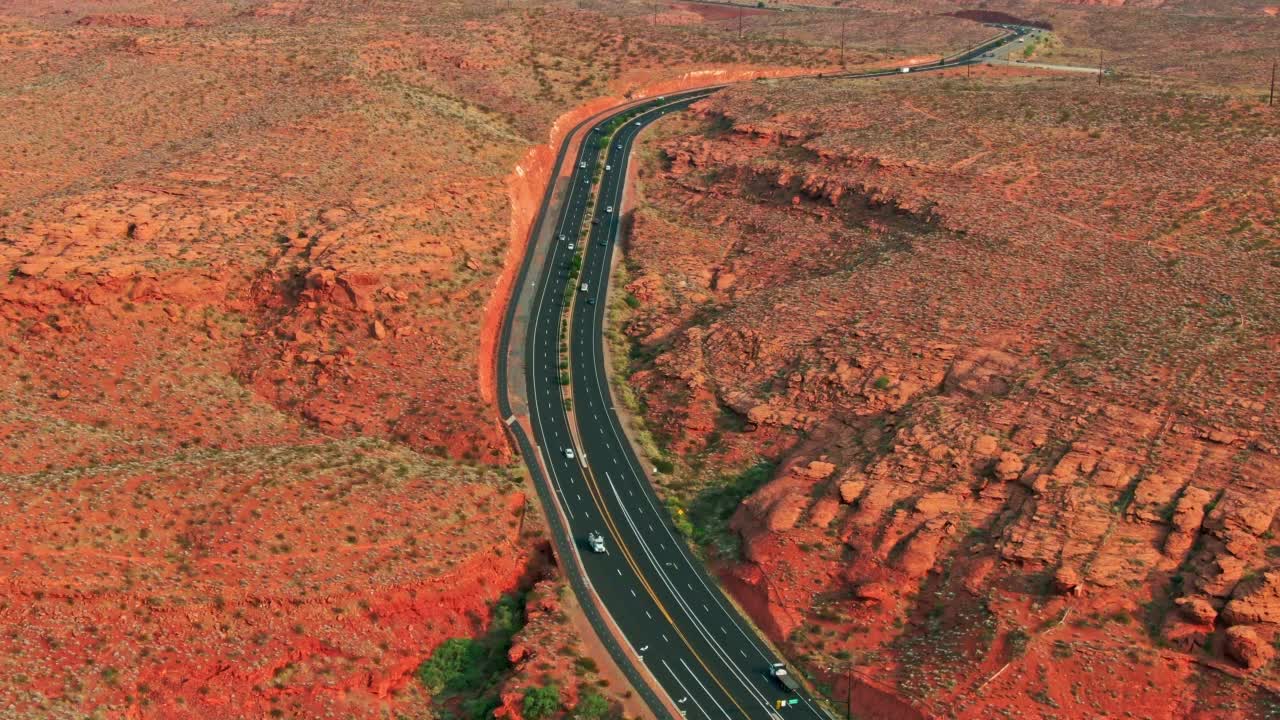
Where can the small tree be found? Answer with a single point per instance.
(541, 702)
(591, 706)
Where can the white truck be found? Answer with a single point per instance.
(779, 672)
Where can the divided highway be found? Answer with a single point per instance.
(670, 613)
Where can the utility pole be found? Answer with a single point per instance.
(1271, 96)
(844, 20)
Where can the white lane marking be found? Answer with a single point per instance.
(704, 687)
(689, 694)
(702, 629)
(633, 594)
(646, 614)
(619, 572)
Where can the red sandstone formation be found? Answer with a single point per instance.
(252, 261)
(1018, 371)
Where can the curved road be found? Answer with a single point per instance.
(670, 613)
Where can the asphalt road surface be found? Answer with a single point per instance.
(672, 614)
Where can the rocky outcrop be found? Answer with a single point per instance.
(1248, 648)
(927, 321)
(1255, 601)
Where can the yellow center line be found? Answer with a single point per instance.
(598, 496)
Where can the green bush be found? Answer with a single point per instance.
(540, 702)
(591, 706)
(664, 465)
(710, 511)
(453, 666)
(472, 667)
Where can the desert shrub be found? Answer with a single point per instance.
(469, 666)
(591, 706)
(540, 702)
(1017, 640)
(454, 666)
(710, 510)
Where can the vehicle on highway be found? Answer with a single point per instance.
(784, 678)
(596, 542)
(568, 452)
(591, 301)
(583, 164)
(619, 146)
(609, 209)
(570, 246)
(637, 123)
(582, 289)
(595, 221)
(607, 168)
(561, 237)
(905, 70)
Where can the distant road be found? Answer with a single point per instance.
(669, 613)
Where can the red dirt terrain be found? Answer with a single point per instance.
(252, 258)
(1011, 346)
(1223, 42)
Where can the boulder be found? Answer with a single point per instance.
(850, 490)
(1197, 609)
(823, 512)
(786, 512)
(1247, 647)
(1009, 467)
(1067, 581)
(818, 469)
(986, 446)
(378, 330)
(872, 592)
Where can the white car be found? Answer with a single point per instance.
(619, 146)
(608, 209)
(905, 70)
(568, 452)
(637, 123)
(561, 237)
(583, 164)
(570, 246)
(607, 168)
(596, 542)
